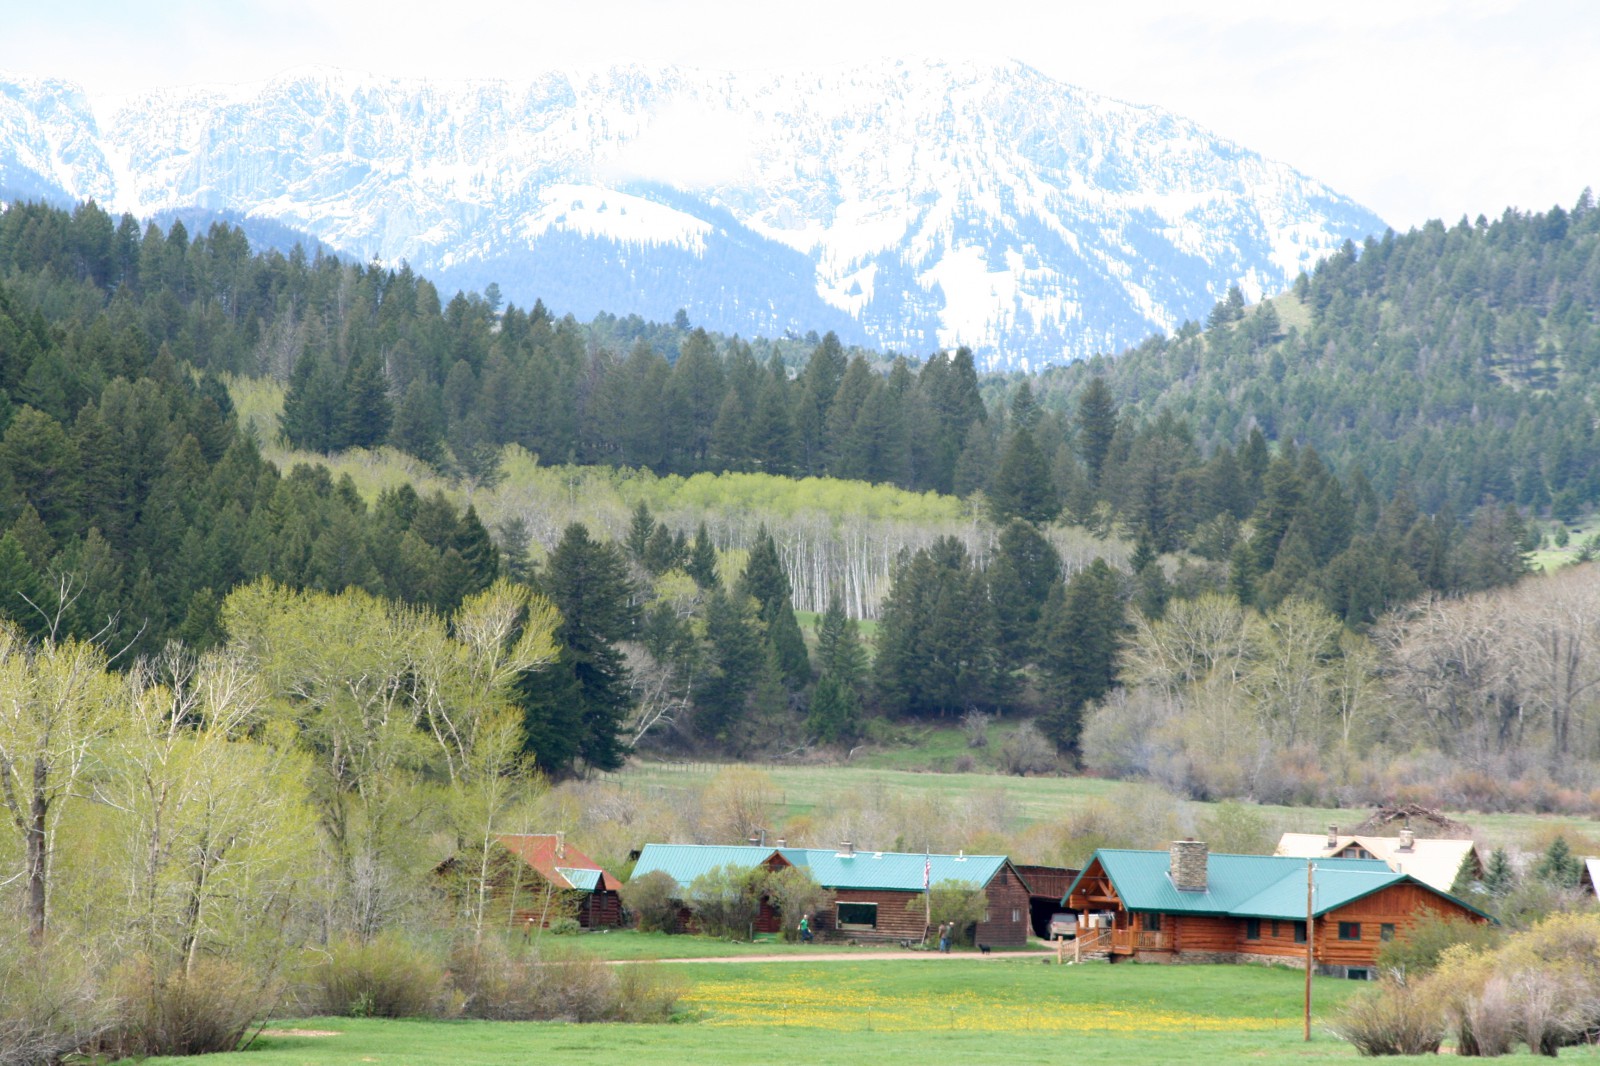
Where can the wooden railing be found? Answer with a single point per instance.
(1088, 942)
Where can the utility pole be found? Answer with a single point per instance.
(1310, 941)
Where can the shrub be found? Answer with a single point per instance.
(1393, 1019)
(794, 892)
(959, 902)
(727, 900)
(565, 927)
(170, 1012)
(497, 985)
(49, 1004)
(646, 993)
(1026, 751)
(975, 727)
(1417, 950)
(383, 978)
(652, 900)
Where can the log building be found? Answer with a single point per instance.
(1186, 905)
(874, 895)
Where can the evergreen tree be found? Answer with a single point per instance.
(1082, 624)
(1024, 569)
(312, 409)
(478, 553)
(702, 564)
(1097, 424)
(365, 412)
(765, 581)
(640, 528)
(1499, 876)
(734, 655)
(21, 590)
(588, 582)
(418, 427)
(839, 651)
(835, 711)
(1022, 487)
(1558, 866)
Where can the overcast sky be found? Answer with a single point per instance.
(1416, 108)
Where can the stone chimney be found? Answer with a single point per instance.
(781, 842)
(847, 848)
(1333, 835)
(1408, 840)
(1188, 868)
(561, 845)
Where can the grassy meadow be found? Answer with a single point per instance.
(1035, 801)
(1004, 1011)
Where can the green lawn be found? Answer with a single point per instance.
(632, 944)
(882, 1012)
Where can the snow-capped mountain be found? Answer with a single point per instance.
(910, 205)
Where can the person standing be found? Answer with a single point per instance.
(944, 936)
(805, 929)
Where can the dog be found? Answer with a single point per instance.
(983, 949)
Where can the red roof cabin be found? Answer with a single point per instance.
(1186, 905)
(539, 878)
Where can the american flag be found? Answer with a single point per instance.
(927, 871)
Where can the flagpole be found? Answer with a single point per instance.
(927, 893)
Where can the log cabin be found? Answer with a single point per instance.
(874, 895)
(1187, 905)
(540, 877)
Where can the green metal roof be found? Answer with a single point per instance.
(892, 870)
(588, 880)
(1247, 886)
(685, 862)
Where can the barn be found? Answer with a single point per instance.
(875, 895)
(1186, 905)
(541, 877)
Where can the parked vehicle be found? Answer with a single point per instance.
(1063, 926)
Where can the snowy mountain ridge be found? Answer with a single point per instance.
(911, 205)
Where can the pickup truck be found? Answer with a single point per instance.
(1063, 926)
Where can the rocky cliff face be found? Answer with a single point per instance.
(909, 205)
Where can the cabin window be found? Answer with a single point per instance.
(1349, 930)
(1152, 923)
(858, 915)
(1016, 915)
(1386, 931)
(1252, 928)
(1358, 974)
(1274, 928)
(1299, 932)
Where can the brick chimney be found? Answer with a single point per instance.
(1333, 835)
(1188, 866)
